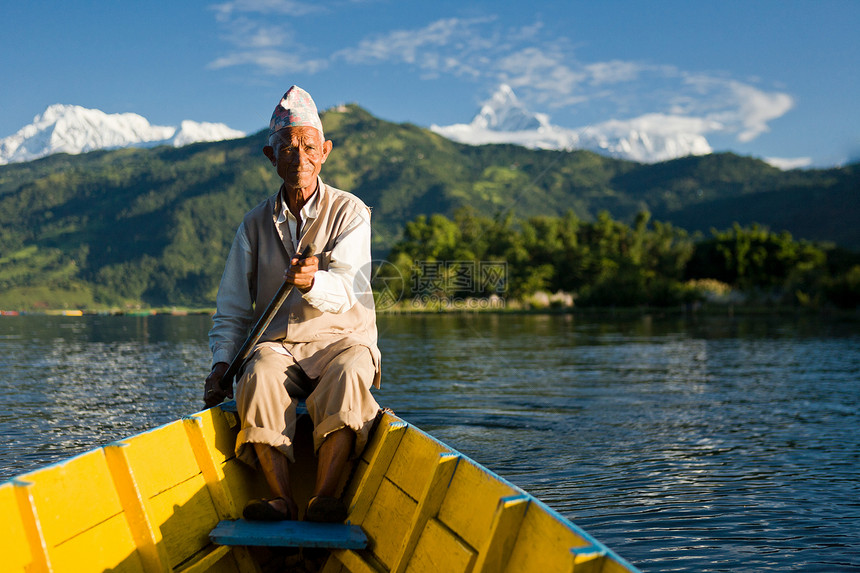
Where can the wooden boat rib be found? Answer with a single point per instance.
(152, 501)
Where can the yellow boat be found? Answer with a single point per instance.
(169, 500)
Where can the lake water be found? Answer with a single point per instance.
(683, 443)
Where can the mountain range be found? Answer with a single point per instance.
(648, 139)
(153, 226)
(501, 119)
(74, 129)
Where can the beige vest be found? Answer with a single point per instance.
(312, 336)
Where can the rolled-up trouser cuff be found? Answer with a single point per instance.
(267, 411)
(351, 420)
(342, 397)
(250, 436)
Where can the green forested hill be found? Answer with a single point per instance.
(715, 191)
(153, 226)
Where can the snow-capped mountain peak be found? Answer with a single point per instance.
(74, 129)
(649, 138)
(504, 112)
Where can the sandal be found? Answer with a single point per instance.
(262, 510)
(324, 509)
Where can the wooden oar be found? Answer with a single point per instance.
(226, 381)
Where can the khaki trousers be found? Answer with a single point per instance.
(272, 385)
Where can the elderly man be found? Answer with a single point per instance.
(321, 345)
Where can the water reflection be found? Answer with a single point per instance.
(69, 384)
(684, 444)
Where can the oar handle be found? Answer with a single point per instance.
(261, 326)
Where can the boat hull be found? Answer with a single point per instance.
(150, 502)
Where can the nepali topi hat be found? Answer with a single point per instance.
(296, 109)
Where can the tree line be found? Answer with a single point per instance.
(607, 262)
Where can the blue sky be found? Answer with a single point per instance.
(768, 78)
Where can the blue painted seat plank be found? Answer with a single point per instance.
(288, 534)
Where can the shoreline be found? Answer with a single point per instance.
(684, 310)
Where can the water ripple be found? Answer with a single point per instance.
(685, 445)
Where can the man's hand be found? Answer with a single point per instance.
(301, 272)
(212, 393)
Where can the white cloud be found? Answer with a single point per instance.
(743, 109)
(542, 75)
(245, 33)
(613, 72)
(662, 124)
(226, 10)
(272, 62)
(265, 43)
(788, 163)
(450, 45)
(755, 108)
(403, 45)
(544, 70)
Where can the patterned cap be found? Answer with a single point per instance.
(296, 109)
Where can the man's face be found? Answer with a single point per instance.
(298, 154)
